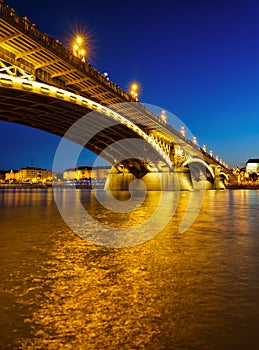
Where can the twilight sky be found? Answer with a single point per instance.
(197, 59)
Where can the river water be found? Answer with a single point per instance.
(193, 290)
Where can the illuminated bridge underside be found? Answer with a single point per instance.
(54, 110)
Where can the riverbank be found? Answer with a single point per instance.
(24, 186)
(248, 186)
(242, 186)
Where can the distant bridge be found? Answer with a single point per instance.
(43, 85)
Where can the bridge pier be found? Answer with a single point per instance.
(161, 181)
(203, 184)
(219, 183)
(153, 181)
(185, 181)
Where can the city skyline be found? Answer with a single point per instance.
(198, 61)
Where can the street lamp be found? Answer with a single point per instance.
(182, 131)
(78, 48)
(163, 116)
(134, 90)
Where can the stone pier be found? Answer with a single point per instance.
(160, 181)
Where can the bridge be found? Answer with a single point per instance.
(45, 86)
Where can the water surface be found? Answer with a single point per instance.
(194, 290)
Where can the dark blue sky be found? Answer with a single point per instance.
(197, 59)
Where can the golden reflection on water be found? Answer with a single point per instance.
(116, 219)
(195, 290)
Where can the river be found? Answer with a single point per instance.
(198, 289)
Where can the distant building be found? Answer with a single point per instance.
(85, 173)
(12, 176)
(252, 166)
(29, 174)
(100, 172)
(2, 176)
(80, 173)
(69, 174)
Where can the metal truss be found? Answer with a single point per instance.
(162, 143)
(15, 71)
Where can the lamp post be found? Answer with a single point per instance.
(163, 116)
(78, 48)
(134, 90)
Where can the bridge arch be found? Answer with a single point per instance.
(224, 175)
(9, 82)
(201, 161)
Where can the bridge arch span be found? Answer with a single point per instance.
(21, 93)
(200, 161)
(224, 175)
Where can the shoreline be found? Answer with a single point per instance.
(24, 186)
(243, 186)
(45, 187)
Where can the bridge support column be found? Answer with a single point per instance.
(154, 181)
(219, 183)
(203, 184)
(185, 180)
(161, 181)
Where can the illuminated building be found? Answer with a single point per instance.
(29, 174)
(79, 173)
(252, 166)
(85, 172)
(12, 176)
(2, 176)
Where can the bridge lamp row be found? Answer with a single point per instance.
(217, 158)
(194, 140)
(203, 147)
(182, 132)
